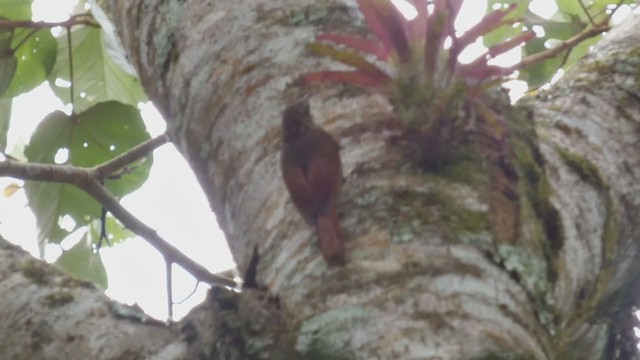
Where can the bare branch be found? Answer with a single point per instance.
(169, 275)
(565, 45)
(138, 152)
(77, 20)
(44, 172)
(594, 30)
(72, 99)
(586, 11)
(24, 40)
(84, 179)
(170, 253)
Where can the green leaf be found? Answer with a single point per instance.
(593, 9)
(580, 50)
(5, 117)
(15, 9)
(111, 40)
(598, 8)
(35, 58)
(96, 78)
(82, 262)
(571, 6)
(601, 4)
(540, 73)
(8, 61)
(91, 138)
(109, 129)
(562, 30)
(51, 201)
(8, 64)
(115, 231)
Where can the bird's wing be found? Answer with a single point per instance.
(324, 173)
(301, 191)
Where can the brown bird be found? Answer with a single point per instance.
(312, 172)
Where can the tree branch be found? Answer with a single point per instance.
(565, 45)
(586, 11)
(72, 99)
(84, 178)
(76, 20)
(170, 253)
(138, 152)
(24, 40)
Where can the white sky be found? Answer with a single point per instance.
(171, 201)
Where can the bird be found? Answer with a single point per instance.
(312, 173)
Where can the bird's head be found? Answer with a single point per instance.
(296, 120)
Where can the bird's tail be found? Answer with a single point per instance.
(330, 236)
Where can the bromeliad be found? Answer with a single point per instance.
(415, 62)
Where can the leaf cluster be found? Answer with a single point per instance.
(86, 72)
(427, 84)
(571, 19)
(414, 49)
(416, 61)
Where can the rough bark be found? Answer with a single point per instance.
(48, 315)
(589, 126)
(427, 276)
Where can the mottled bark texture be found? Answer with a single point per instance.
(462, 263)
(48, 315)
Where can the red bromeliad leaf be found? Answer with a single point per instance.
(480, 70)
(351, 77)
(454, 8)
(405, 41)
(490, 22)
(436, 34)
(357, 43)
(345, 57)
(448, 18)
(418, 26)
(511, 43)
(375, 23)
(389, 24)
(427, 85)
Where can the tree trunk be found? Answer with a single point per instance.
(428, 275)
(439, 265)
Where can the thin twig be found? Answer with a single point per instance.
(70, 51)
(168, 272)
(8, 156)
(87, 14)
(138, 152)
(565, 58)
(24, 40)
(82, 177)
(170, 253)
(14, 24)
(594, 30)
(188, 296)
(566, 44)
(584, 8)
